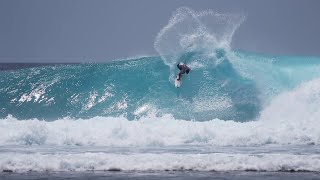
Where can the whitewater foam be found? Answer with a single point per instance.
(158, 162)
(160, 131)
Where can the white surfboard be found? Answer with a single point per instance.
(177, 83)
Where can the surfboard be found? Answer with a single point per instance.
(177, 83)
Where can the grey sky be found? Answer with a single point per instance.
(102, 30)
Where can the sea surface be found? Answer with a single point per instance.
(237, 115)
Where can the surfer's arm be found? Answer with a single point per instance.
(188, 70)
(178, 66)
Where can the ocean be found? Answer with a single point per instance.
(237, 114)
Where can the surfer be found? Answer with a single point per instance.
(183, 69)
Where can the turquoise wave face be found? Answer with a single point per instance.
(235, 87)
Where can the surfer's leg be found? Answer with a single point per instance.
(179, 76)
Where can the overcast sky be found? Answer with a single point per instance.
(102, 30)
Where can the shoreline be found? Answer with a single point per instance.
(185, 175)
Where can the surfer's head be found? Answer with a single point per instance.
(181, 63)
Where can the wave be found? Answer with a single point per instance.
(238, 88)
(291, 118)
(158, 162)
(223, 84)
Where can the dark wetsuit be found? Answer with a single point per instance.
(183, 69)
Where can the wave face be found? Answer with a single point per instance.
(130, 88)
(235, 89)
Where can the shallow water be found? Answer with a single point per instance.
(162, 175)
